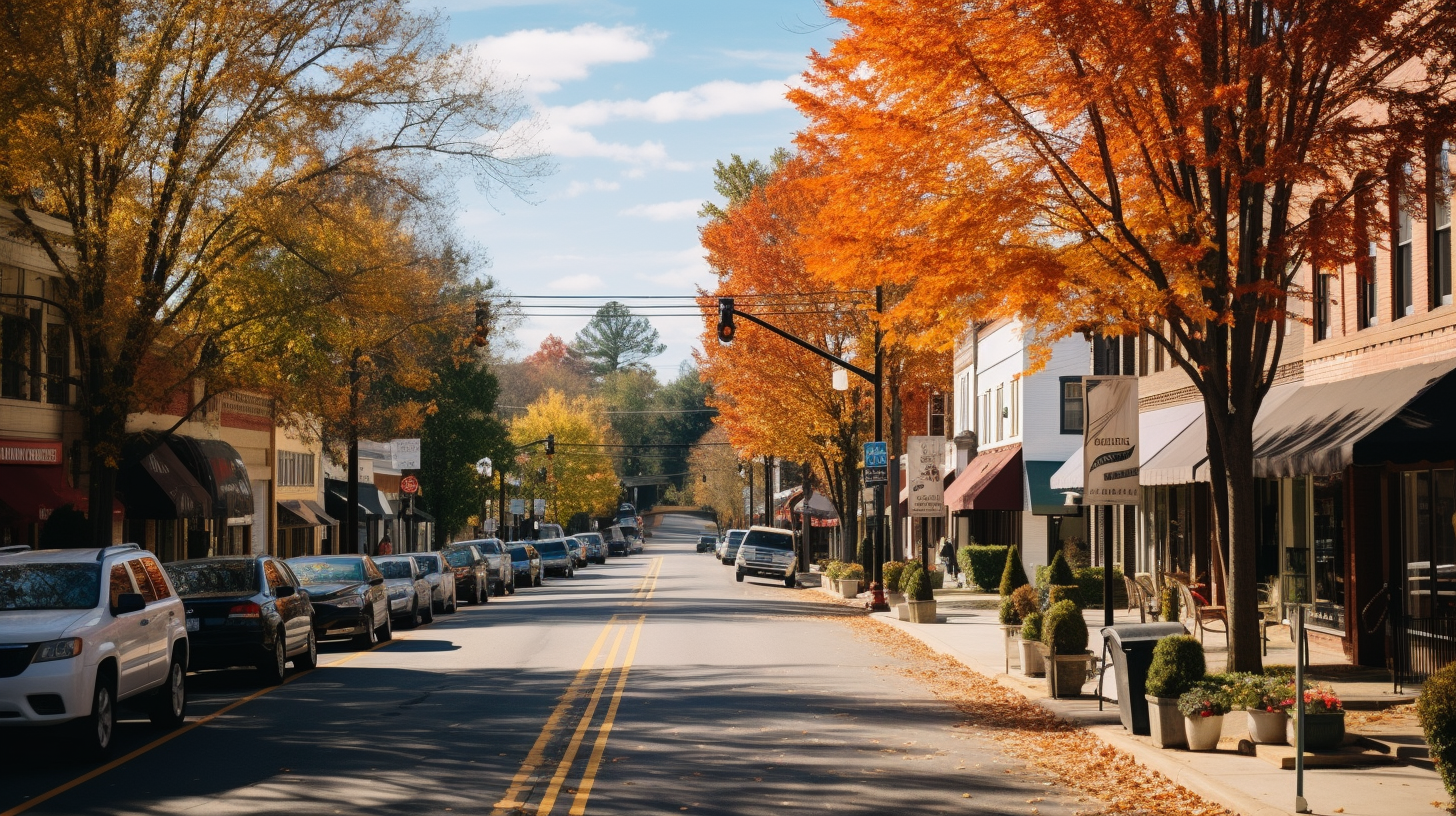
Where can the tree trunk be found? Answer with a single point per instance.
(1242, 574)
(897, 532)
(105, 433)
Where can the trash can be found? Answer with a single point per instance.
(1132, 653)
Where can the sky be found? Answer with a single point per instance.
(636, 101)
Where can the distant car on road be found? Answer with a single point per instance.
(578, 551)
(634, 538)
(245, 611)
(471, 568)
(498, 563)
(556, 558)
(707, 543)
(768, 552)
(347, 592)
(617, 544)
(525, 564)
(442, 580)
(596, 547)
(730, 546)
(409, 592)
(549, 530)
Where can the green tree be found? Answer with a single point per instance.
(615, 339)
(460, 428)
(737, 179)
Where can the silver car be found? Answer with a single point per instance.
(556, 558)
(768, 552)
(728, 549)
(596, 548)
(441, 578)
(409, 592)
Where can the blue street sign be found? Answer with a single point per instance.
(876, 454)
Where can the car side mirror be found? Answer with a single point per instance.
(375, 581)
(128, 602)
(284, 591)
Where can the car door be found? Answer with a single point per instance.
(170, 613)
(377, 595)
(133, 648)
(295, 624)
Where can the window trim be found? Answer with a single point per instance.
(1062, 401)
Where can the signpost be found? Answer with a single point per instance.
(539, 506)
(410, 485)
(877, 463)
(1110, 456)
(405, 453)
(518, 507)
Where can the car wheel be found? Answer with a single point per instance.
(429, 614)
(511, 587)
(308, 659)
(414, 614)
(739, 576)
(476, 597)
(454, 604)
(791, 581)
(536, 580)
(275, 666)
(370, 636)
(94, 732)
(169, 703)
(571, 572)
(388, 630)
(500, 588)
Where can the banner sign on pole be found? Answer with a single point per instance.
(926, 458)
(490, 525)
(1110, 455)
(877, 464)
(405, 453)
(518, 507)
(540, 506)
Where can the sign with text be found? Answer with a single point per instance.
(518, 507)
(26, 452)
(540, 506)
(877, 464)
(490, 525)
(1110, 454)
(405, 453)
(925, 460)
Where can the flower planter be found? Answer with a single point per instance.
(921, 611)
(1165, 722)
(1267, 727)
(1203, 732)
(1066, 674)
(848, 587)
(902, 611)
(1322, 732)
(894, 598)
(1032, 664)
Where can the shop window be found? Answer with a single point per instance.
(1321, 305)
(1366, 292)
(1328, 526)
(1428, 522)
(1071, 407)
(1441, 239)
(1001, 412)
(295, 469)
(14, 357)
(1403, 303)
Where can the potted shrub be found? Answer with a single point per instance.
(892, 571)
(920, 598)
(847, 577)
(983, 564)
(1203, 707)
(1437, 710)
(1032, 664)
(1064, 633)
(1324, 719)
(1177, 664)
(1056, 593)
(1013, 573)
(1263, 697)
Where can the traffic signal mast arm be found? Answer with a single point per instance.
(727, 308)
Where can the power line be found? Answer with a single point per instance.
(619, 298)
(615, 413)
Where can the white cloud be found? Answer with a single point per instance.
(768, 59)
(546, 58)
(707, 101)
(666, 210)
(571, 142)
(576, 283)
(577, 188)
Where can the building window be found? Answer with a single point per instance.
(1001, 412)
(1403, 303)
(1441, 243)
(1071, 412)
(14, 357)
(1367, 294)
(1016, 407)
(1321, 305)
(58, 364)
(295, 469)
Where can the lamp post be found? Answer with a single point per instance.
(484, 468)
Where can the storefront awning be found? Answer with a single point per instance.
(303, 513)
(420, 516)
(1185, 459)
(991, 481)
(1156, 429)
(1045, 501)
(154, 484)
(1400, 416)
(219, 468)
(371, 501)
(33, 492)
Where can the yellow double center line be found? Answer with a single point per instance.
(536, 758)
(649, 583)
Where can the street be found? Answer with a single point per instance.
(652, 684)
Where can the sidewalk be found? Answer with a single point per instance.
(968, 631)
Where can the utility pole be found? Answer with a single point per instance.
(351, 491)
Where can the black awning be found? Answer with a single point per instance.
(303, 513)
(219, 468)
(371, 502)
(154, 483)
(1399, 416)
(421, 515)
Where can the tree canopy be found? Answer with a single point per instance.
(579, 478)
(615, 339)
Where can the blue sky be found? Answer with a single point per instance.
(637, 101)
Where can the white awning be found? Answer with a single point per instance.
(1155, 430)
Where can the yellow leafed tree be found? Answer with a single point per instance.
(580, 478)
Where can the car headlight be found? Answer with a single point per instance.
(62, 649)
(349, 600)
(399, 593)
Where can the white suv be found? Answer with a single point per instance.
(768, 552)
(82, 630)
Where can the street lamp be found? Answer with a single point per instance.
(840, 378)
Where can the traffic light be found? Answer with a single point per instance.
(550, 444)
(725, 320)
(482, 322)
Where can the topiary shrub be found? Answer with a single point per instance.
(936, 578)
(1168, 602)
(1089, 580)
(911, 567)
(1008, 615)
(891, 571)
(832, 569)
(1177, 665)
(1063, 629)
(914, 583)
(1059, 573)
(1025, 600)
(1031, 627)
(1013, 572)
(984, 564)
(1437, 710)
(1056, 594)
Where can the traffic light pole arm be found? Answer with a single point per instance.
(871, 377)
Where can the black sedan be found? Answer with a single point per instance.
(707, 543)
(526, 565)
(472, 572)
(348, 597)
(245, 611)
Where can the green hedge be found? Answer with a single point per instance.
(1013, 574)
(1437, 710)
(1089, 582)
(984, 564)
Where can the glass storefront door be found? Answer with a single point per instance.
(1428, 530)
(1313, 522)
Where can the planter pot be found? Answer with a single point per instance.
(894, 598)
(1066, 674)
(1203, 732)
(921, 611)
(1322, 732)
(1165, 722)
(1267, 727)
(902, 611)
(848, 587)
(1032, 664)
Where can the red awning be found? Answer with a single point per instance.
(33, 492)
(992, 481)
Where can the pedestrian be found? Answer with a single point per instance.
(947, 555)
(386, 547)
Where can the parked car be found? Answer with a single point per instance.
(578, 551)
(442, 581)
(86, 629)
(498, 564)
(768, 552)
(471, 568)
(707, 543)
(730, 546)
(245, 611)
(634, 538)
(348, 597)
(617, 544)
(596, 548)
(556, 558)
(525, 564)
(409, 592)
(549, 530)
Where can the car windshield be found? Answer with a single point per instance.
(707, 539)
(49, 586)
(769, 541)
(519, 554)
(492, 547)
(213, 578)
(458, 558)
(551, 547)
(394, 568)
(328, 571)
(593, 538)
(428, 564)
(735, 537)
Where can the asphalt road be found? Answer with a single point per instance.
(653, 684)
